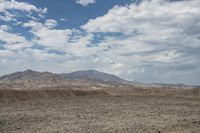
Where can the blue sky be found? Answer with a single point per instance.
(148, 41)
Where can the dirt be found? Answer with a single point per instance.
(102, 114)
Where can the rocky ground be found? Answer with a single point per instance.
(102, 114)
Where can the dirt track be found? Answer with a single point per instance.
(102, 114)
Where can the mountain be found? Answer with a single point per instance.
(85, 75)
(30, 79)
(93, 75)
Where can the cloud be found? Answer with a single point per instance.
(152, 21)
(85, 2)
(145, 18)
(6, 6)
(50, 23)
(70, 41)
(4, 27)
(6, 53)
(46, 35)
(13, 41)
(63, 19)
(9, 5)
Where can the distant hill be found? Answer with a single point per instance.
(160, 85)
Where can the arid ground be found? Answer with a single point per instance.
(101, 114)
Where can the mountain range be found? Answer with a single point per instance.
(30, 79)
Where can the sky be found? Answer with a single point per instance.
(152, 41)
